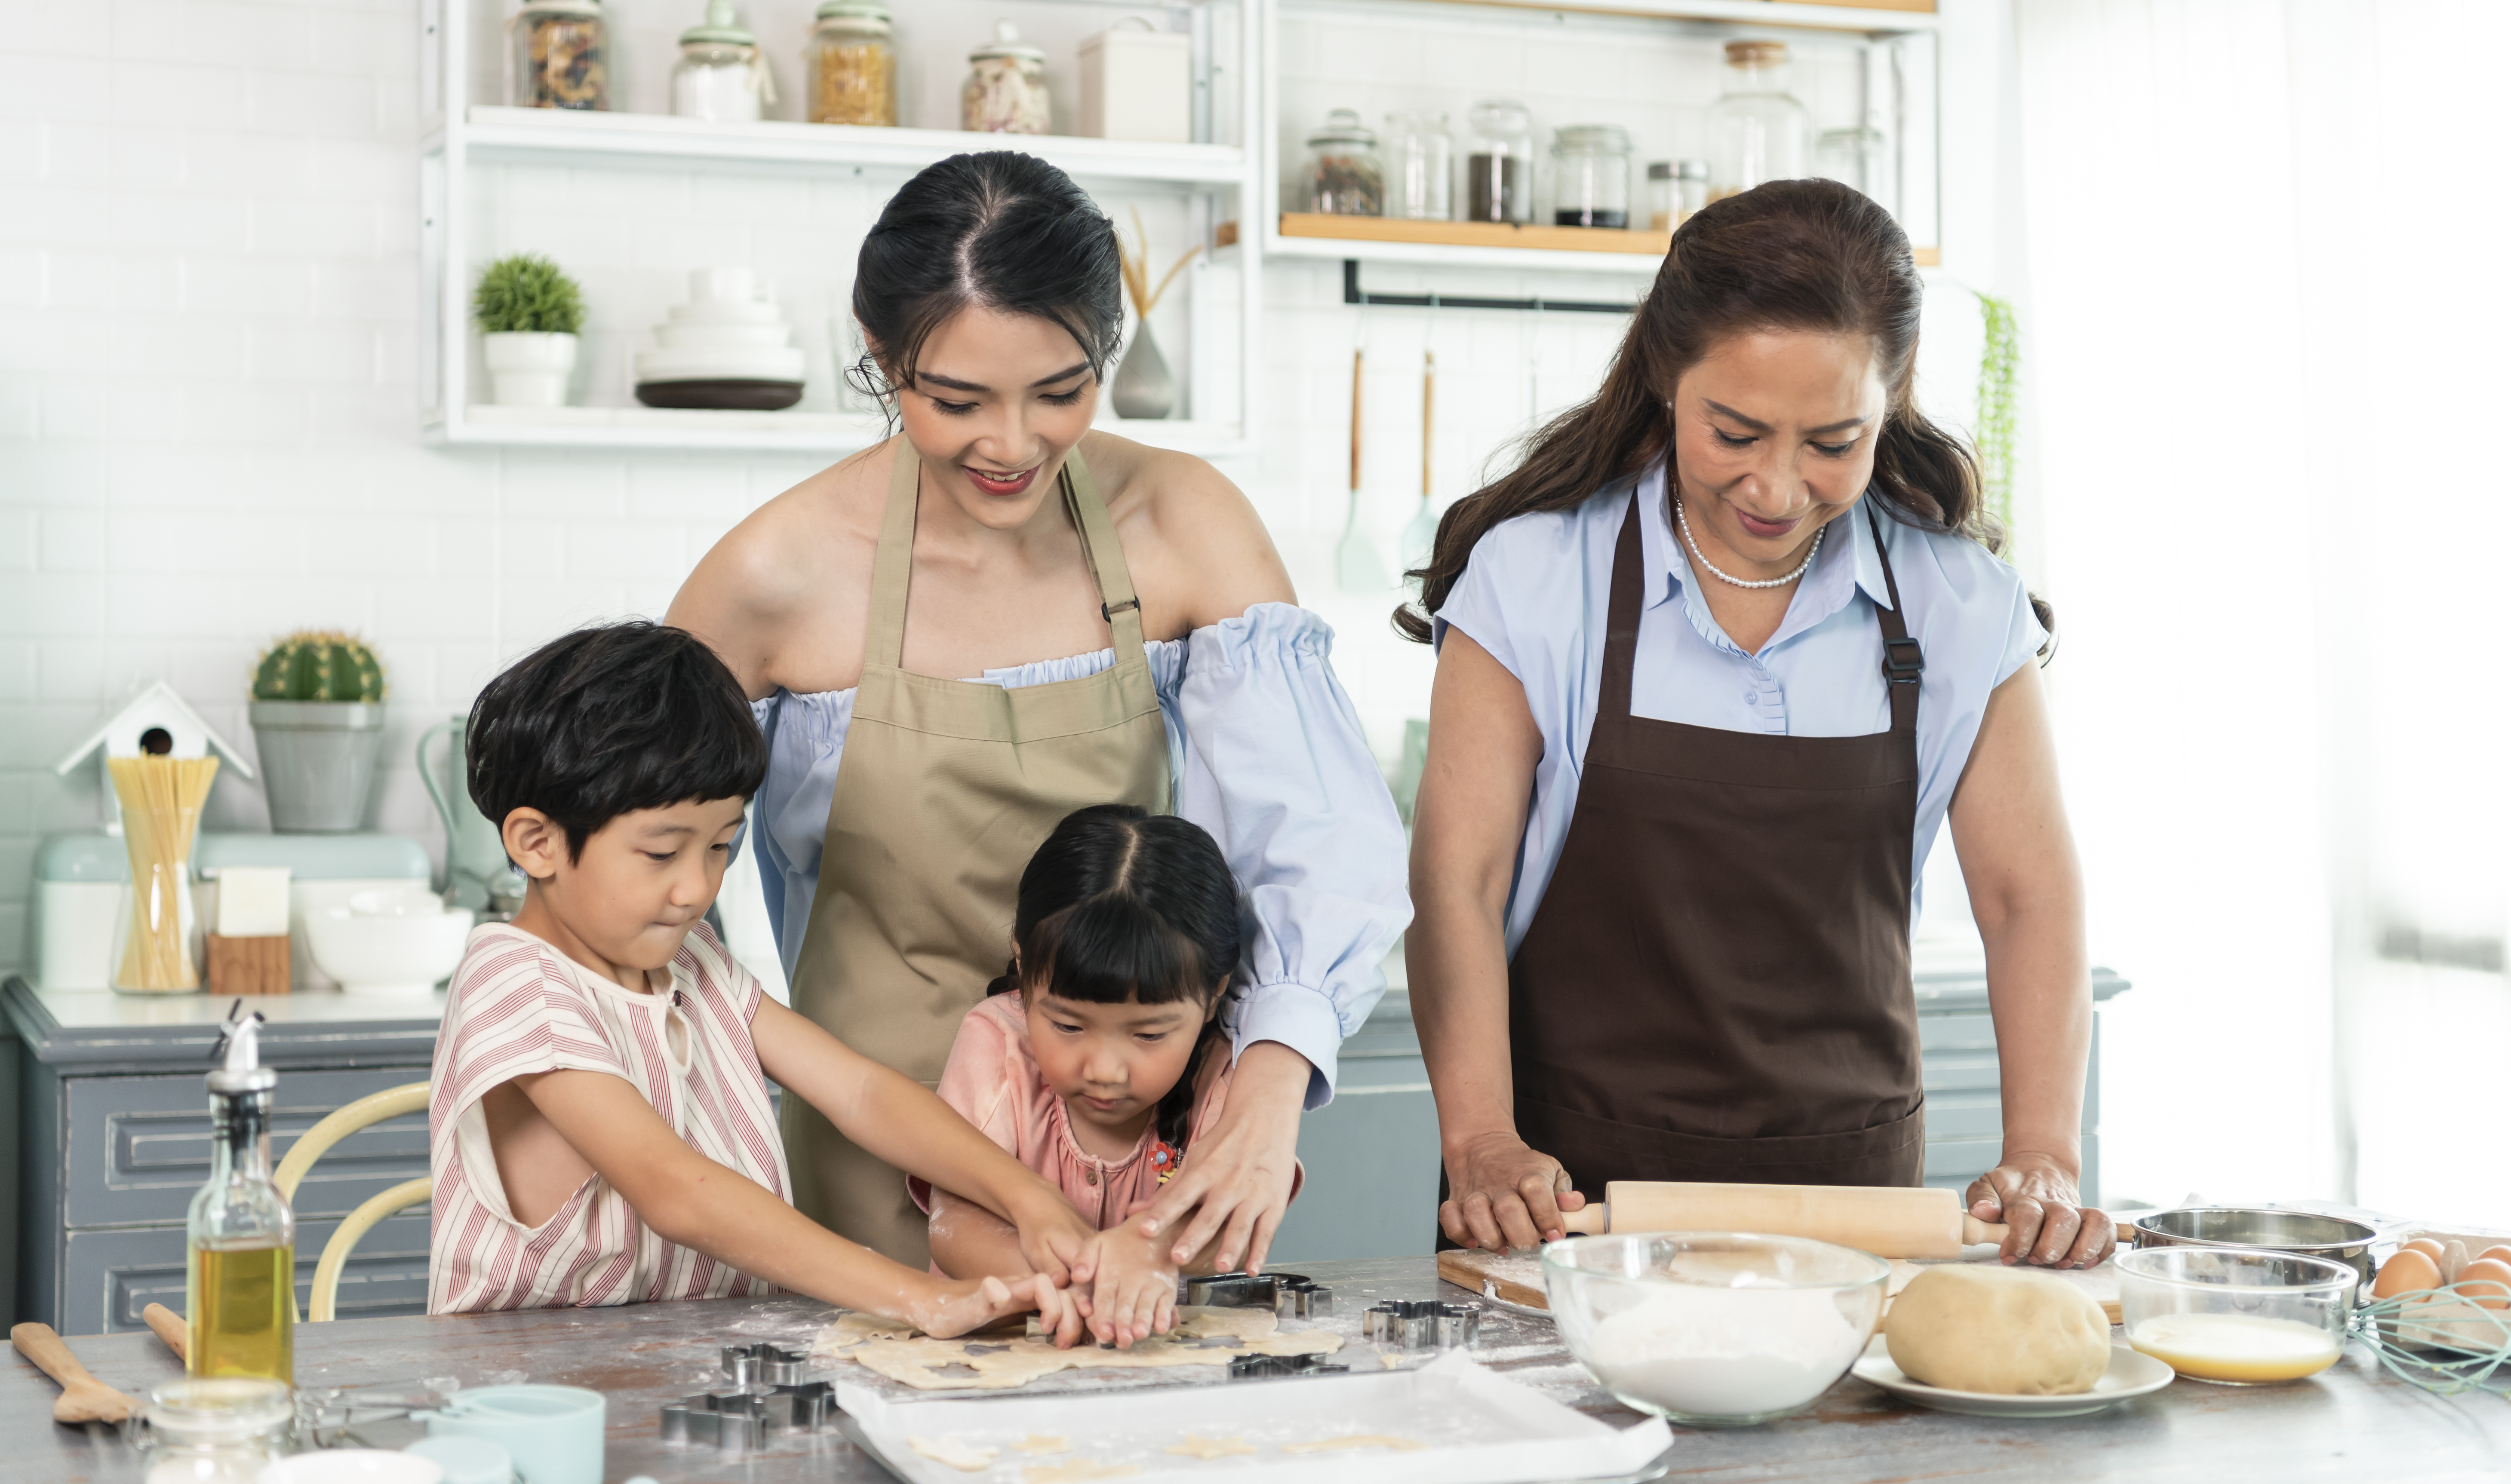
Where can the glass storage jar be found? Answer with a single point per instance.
(214, 1431)
(1591, 177)
(1343, 177)
(1857, 157)
(852, 65)
(1690, 188)
(1499, 163)
(719, 75)
(559, 51)
(1756, 129)
(1006, 87)
(1417, 165)
(1661, 195)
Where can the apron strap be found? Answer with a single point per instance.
(885, 637)
(1622, 619)
(1105, 554)
(1904, 661)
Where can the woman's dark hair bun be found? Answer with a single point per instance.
(998, 229)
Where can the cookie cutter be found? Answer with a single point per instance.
(764, 1364)
(1267, 1367)
(1291, 1295)
(738, 1419)
(1422, 1324)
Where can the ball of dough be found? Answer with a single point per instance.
(2008, 1331)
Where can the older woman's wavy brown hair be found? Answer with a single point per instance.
(1792, 254)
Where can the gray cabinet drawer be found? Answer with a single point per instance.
(1371, 1156)
(1964, 1116)
(110, 1277)
(1958, 1161)
(138, 1147)
(1959, 1072)
(1956, 1033)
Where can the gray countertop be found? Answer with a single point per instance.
(2350, 1424)
(101, 1030)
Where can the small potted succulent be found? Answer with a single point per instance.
(528, 313)
(317, 719)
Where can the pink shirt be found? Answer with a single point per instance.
(993, 1079)
(518, 1006)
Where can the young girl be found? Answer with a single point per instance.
(1100, 1058)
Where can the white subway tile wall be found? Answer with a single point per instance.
(209, 405)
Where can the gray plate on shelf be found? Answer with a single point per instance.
(725, 394)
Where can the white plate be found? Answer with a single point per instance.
(2131, 1374)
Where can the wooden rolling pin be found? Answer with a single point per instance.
(169, 1327)
(1885, 1220)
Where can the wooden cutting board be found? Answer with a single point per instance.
(1516, 1277)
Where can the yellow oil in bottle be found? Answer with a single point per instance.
(242, 1311)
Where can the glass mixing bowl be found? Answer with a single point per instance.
(2239, 1316)
(1714, 1328)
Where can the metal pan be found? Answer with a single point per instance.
(2333, 1238)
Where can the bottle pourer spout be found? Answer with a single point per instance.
(238, 1054)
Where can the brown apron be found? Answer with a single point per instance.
(1717, 985)
(945, 791)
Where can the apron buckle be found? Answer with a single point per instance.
(1107, 612)
(1903, 661)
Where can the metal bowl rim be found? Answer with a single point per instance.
(2132, 1264)
(2142, 1228)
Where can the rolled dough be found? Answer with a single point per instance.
(960, 1365)
(1358, 1440)
(2005, 1331)
(1208, 1448)
(1040, 1442)
(1078, 1471)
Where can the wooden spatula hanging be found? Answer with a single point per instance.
(1356, 567)
(82, 1398)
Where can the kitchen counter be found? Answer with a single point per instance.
(2352, 1423)
(96, 1030)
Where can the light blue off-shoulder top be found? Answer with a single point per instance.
(1264, 751)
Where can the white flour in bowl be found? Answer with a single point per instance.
(1725, 1351)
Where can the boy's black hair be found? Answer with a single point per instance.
(611, 719)
(1123, 905)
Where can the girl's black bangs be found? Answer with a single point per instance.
(1110, 949)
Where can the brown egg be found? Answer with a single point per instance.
(2411, 1270)
(2503, 1254)
(2424, 1244)
(2493, 1272)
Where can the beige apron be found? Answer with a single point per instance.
(944, 789)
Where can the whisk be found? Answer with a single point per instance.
(2441, 1338)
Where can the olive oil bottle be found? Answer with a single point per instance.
(240, 1240)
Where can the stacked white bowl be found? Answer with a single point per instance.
(727, 349)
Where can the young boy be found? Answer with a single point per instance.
(600, 1131)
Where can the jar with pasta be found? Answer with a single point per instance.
(1006, 87)
(560, 56)
(853, 65)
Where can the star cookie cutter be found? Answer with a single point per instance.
(1422, 1324)
(1291, 1295)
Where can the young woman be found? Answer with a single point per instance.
(1097, 1060)
(999, 616)
(1715, 664)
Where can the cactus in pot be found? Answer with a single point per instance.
(528, 312)
(317, 719)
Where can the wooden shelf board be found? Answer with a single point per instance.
(1473, 233)
(1866, 17)
(495, 132)
(1474, 244)
(678, 429)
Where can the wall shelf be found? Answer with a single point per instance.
(671, 427)
(1872, 17)
(1474, 244)
(547, 135)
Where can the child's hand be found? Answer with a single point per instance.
(1056, 1240)
(1134, 1294)
(948, 1308)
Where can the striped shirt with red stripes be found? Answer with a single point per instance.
(517, 1006)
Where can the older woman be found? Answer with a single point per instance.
(1127, 633)
(1714, 665)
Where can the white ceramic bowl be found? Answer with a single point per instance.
(1714, 1328)
(388, 942)
(757, 362)
(710, 336)
(353, 1466)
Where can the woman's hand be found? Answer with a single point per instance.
(1505, 1195)
(1136, 1297)
(1236, 1179)
(2045, 1220)
(946, 1308)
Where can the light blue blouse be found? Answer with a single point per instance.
(1535, 594)
(1264, 751)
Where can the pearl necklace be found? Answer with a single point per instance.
(1811, 553)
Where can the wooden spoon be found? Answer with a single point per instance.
(169, 1327)
(82, 1398)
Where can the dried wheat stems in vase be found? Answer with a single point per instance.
(161, 807)
(1134, 262)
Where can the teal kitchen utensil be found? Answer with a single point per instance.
(475, 852)
(553, 1433)
(1422, 530)
(1357, 566)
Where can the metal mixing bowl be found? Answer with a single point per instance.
(2297, 1232)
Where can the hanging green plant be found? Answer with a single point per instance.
(1993, 432)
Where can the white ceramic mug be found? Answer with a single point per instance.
(553, 1433)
